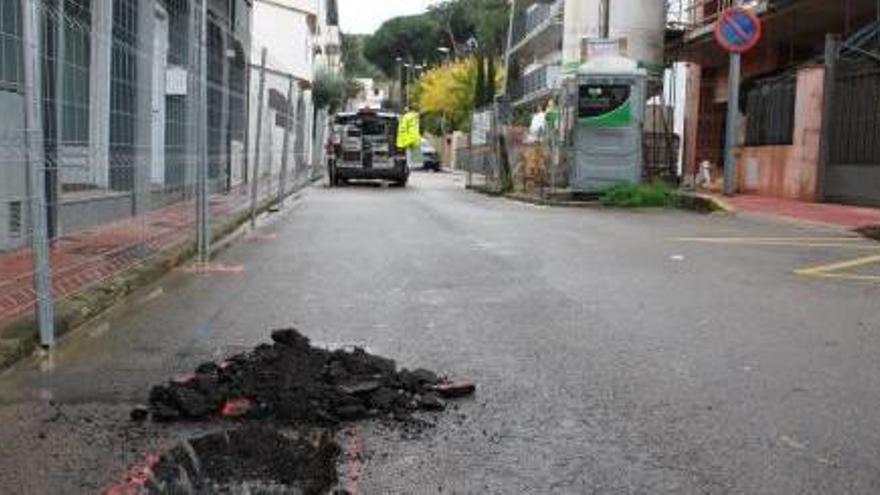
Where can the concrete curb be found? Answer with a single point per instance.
(525, 198)
(18, 339)
(701, 203)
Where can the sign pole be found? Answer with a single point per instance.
(733, 82)
(737, 31)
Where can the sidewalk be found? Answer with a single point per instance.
(87, 257)
(849, 217)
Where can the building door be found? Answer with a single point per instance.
(160, 62)
(853, 169)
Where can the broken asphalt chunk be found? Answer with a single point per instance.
(455, 389)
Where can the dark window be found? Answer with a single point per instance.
(595, 99)
(770, 112)
(10, 45)
(15, 219)
(332, 13)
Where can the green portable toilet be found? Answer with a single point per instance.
(607, 96)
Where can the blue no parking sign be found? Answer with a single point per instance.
(738, 30)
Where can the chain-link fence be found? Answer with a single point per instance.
(132, 128)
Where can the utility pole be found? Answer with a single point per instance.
(733, 80)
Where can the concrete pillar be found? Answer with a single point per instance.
(99, 92)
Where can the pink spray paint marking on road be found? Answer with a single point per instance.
(353, 456)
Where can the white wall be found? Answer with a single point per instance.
(285, 33)
(641, 22)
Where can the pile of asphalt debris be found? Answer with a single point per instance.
(292, 381)
(284, 392)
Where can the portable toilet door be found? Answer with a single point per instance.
(608, 131)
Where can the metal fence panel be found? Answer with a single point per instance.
(128, 130)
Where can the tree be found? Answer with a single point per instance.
(449, 23)
(412, 38)
(356, 65)
(447, 94)
(485, 20)
(329, 90)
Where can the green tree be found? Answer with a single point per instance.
(353, 59)
(412, 38)
(485, 20)
(329, 90)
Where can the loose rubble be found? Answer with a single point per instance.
(290, 396)
(254, 459)
(292, 381)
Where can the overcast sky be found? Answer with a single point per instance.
(365, 16)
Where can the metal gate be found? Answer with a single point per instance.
(853, 170)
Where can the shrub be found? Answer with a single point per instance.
(655, 194)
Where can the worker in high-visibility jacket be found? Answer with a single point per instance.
(409, 136)
(408, 133)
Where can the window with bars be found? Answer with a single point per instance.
(10, 46)
(770, 107)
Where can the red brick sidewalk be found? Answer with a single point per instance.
(87, 257)
(832, 214)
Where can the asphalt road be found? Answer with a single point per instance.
(615, 352)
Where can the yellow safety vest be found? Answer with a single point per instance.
(408, 133)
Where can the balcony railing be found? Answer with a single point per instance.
(694, 15)
(539, 17)
(536, 82)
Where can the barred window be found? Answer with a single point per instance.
(10, 46)
(770, 107)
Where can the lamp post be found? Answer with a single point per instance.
(509, 46)
(399, 61)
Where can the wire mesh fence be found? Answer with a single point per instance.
(131, 128)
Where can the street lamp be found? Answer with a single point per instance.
(399, 61)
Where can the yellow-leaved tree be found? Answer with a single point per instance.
(445, 95)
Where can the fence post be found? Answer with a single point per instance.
(33, 141)
(255, 186)
(223, 157)
(202, 210)
(285, 146)
(142, 161)
(832, 47)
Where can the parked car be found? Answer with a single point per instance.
(362, 145)
(430, 157)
